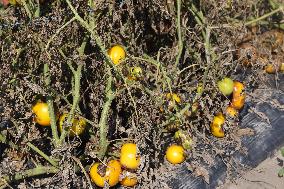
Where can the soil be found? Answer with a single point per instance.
(264, 176)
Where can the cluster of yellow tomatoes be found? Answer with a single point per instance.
(42, 117)
(227, 86)
(175, 153)
(122, 170)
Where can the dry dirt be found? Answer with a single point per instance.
(264, 176)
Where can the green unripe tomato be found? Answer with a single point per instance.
(226, 86)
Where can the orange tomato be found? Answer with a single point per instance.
(100, 174)
(238, 102)
(238, 89)
(175, 154)
(270, 68)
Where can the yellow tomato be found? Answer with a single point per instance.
(219, 119)
(175, 154)
(78, 125)
(128, 156)
(232, 112)
(40, 109)
(217, 125)
(129, 179)
(116, 54)
(101, 175)
(217, 131)
(270, 68)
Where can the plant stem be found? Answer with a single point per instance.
(76, 98)
(27, 8)
(51, 161)
(208, 56)
(50, 107)
(103, 126)
(280, 8)
(58, 31)
(150, 60)
(209, 64)
(3, 139)
(180, 44)
(40, 170)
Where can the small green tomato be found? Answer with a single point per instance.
(226, 86)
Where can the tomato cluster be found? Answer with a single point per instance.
(227, 86)
(117, 171)
(42, 117)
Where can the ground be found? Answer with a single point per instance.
(264, 176)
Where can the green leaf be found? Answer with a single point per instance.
(281, 172)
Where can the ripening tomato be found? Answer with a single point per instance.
(129, 179)
(175, 154)
(5, 3)
(226, 86)
(135, 73)
(128, 156)
(101, 174)
(40, 109)
(78, 125)
(117, 54)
